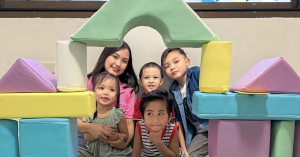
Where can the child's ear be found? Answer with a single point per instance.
(187, 62)
(161, 81)
(140, 81)
(170, 116)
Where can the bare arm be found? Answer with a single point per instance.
(96, 130)
(130, 127)
(174, 146)
(181, 138)
(89, 137)
(122, 127)
(137, 144)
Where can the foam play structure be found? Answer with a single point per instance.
(246, 120)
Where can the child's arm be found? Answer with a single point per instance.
(174, 146)
(122, 127)
(137, 144)
(181, 139)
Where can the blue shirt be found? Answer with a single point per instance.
(192, 84)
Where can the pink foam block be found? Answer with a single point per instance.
(297, 140)
(273, 75)
(28, 76)
(238, 138)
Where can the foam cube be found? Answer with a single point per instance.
(246, 106)
(9, 146)
(237, 138)
(178, 25)
(272, 75)
(297, 139)
(42, 105)
(215, 67)
(71, 64)
(282, 138)
(28, 76)
(49, 137)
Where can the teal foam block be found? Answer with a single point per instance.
(9, 146)
(48, 137)
(246, 106)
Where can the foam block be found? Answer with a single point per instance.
(237, 138)
(246, 106)
(178, 25)
(29, 76)
(282, 138)
(41, 105)
(215, 67)
(49, 137)
(9, 146)
(273, 75)
(71, 62)
(297, 139)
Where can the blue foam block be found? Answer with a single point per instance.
(48, 137)
(246, 106)
(9, 146)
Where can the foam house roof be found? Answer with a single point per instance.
(176, 22)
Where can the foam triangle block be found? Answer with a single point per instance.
(176, 22)
(273, 75)
(28, 76)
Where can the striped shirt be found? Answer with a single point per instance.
(149, 148)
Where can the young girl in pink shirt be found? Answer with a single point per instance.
(118, 62)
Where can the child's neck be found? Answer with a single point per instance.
(103, 111)
(181, 80)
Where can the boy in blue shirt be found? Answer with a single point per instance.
(193, 131)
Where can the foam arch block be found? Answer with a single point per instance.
(178, 25)
(297, 139)
(282, 138)
(215, 67)
(246, 106)
(71, 61)
(48, 137)
(42, 105)
(238, 138)
(9, 146)
(272, 75)
(28, 76)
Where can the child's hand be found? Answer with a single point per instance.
(155, 137)
(186, 153)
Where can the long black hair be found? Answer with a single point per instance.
(128, 77)
(103, 76)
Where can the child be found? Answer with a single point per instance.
(151, 78)
(118, 62)
(186, 81)
(107, 91)
(155, 135)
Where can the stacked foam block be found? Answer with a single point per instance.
(257, 117)
(29, 91)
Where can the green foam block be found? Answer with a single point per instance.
(176, 22)
(282, 138)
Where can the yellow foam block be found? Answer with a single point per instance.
(215, 67)
(47, 105)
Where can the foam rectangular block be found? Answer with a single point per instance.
(28, 76)
(215, 67)
(272, 75)
(297, 139)
(9, 146)
(246, 106)
(71, 62)
(47, 105)
(48, 137)
(237, 138)
(282, 138)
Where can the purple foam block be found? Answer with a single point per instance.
(297, 140)
(28, 76)
(273, 75)
(238, 138)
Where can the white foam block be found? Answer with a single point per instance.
(71, 62)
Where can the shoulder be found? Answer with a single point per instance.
(174, 85)
(195, 69)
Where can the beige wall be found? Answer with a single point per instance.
(253, 40)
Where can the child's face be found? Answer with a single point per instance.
(156, 115)
(175, 65)
(116, 63)
(151, 79)
(106, 92)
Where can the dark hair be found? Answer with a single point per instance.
(160, 94)
(151, 64)
(128, 77)
(167, 51)
(103, 76)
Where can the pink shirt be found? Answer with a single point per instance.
(127, 98)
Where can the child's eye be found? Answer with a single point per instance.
(176, 61)
(149, 114)
(166, 67)
(161, 114)
(155, 77)
(146, 77)
(101, 88)
(112, 90)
